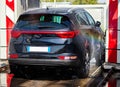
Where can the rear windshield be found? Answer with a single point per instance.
(37, 21)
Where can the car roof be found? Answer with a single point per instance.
(61, 11)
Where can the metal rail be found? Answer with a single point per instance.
(106, 78)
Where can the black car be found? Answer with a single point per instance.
(56, 37)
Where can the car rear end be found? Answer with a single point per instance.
(38, 41)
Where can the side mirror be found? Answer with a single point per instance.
(97, 24)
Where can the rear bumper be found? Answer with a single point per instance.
(44, 62)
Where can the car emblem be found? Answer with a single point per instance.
(37, 36)
(28, 40)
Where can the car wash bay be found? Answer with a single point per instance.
(51, 78)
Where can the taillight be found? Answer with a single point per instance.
(13, 56)
(67, 57)
(15, 33)
(61, 34)
(66, 34)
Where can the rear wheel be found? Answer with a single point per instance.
(84, 71)
(16, 70)
(100, 56)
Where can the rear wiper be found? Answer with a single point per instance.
(44, 27)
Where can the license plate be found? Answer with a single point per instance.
(37, 49)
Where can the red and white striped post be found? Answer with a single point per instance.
(10, 8)
(113, 35)
(113, 83)
(5, 79)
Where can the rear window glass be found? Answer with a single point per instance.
(37, 21)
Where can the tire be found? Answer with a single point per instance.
(100, 56)
(98, 59)
(16, 70)
(84, 71)
(13, 69)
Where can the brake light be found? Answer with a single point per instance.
(13, 56)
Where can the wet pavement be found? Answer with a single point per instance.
(49, 78)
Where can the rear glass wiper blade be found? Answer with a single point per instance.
(44, 27)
